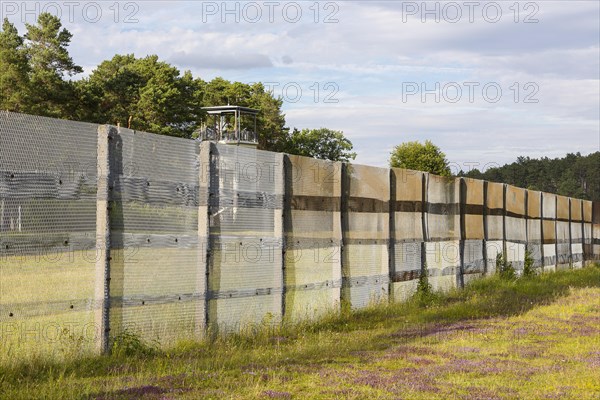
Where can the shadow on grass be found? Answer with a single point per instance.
(485, 298)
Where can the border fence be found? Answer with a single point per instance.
(105, 230)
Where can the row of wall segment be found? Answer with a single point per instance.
(173, 239)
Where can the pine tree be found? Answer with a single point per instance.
(14, 80)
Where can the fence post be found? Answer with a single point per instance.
(284, 186)
(462, 201)
(204, 199)
(556, 232)
(485, 228)
(392, 236)
(424, 222)
(105, 154)
(542, 254)
(345, 299)
(504, 250)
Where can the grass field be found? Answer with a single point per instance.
(533, 338)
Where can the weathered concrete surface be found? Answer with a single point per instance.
(408, 233)
(576, 232)
(443, 231)
(549, 231)
(534, 226)
(365, 227)
(313, 237)
(563, 246)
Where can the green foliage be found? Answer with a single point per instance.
(505, 269)
(573, 175)
(14, 70)
(421, 157)
(424, 295)
(140, 93)
(323, 143)
(528, 268)
(49, 61)
(129, 344)
(143, 94)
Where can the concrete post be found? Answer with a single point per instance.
(392, 236)
(205, 198)
(106, 136)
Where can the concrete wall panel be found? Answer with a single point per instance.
(365, 227)
(313, 237)
(408, 233)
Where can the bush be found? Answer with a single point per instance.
(528, 268)
(424, 294)
(128, 344)
(505, 269)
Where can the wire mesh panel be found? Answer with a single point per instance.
(47, 235)
(588, 250)
(534, 227)
(516, 237)
(365, 227)
(576, 233)
(563, 227)
(245, 281)
(408, 232)
(442, 252)
(472, 201)
(494, 223)
(156, 286)
(549, 231)
(313, 237)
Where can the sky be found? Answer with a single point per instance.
(485, 81)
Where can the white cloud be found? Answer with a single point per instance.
(373, 50)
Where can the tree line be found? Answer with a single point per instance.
(573, 175)
(147, 94)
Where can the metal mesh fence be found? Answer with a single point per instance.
(106, 230)
(245, 276)
(156, 285)
(47, 234)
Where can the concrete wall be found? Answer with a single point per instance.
(106, 230)
(443, 234)
(534, 227)
(407, 242)
(516, 226)
(313, 237)
(473, 229)
(366, 232)
(549, 231)
(563, 232)
(494, 223)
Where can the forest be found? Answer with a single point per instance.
(574, 175)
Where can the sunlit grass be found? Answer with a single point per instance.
(531, 338)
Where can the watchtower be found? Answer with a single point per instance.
(233, 125)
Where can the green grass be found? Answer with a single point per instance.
(532, 338)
